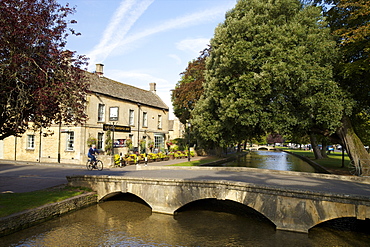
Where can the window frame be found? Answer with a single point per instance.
(30, 143)
(100, 141)
(159, 124)
(70, 142)
(101, 112)
(145, 119)
(131, 117)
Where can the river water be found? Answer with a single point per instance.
(273, 160)
(126, 220)
(131, 223)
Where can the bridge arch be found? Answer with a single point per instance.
(124, 196)
(226, 206)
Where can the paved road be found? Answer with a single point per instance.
(29, 177)
(21, 177)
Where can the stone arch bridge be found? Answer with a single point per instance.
(289, 209)
(262, 147)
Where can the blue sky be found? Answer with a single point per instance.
(144, 41)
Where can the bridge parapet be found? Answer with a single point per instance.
(291, 210)
(262, 147)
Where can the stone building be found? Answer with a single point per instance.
(176, 129)
(127, 112)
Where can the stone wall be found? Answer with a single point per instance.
(25, 219)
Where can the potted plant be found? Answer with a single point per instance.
(150, 145)
(129, 143)
(152, 157)
(91, 141)
(171, 155)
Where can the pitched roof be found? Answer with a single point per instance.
(103, 85)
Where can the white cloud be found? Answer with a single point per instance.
(176, 58)
(193, 45)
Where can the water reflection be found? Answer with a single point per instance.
(273, 160)
(129, 223)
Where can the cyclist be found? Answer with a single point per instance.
(92, 154)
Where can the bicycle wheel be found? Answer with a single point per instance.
(99, 165)
(354, 170)
(89, 166)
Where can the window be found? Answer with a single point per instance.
(101, 111)
(113, 113)
(145, 119)
(159, 122)
(30, 141)
(70, 141)
(158, 141)
(100, 140)
(131, 118)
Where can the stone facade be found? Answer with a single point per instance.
(176, 129)
(141, 113)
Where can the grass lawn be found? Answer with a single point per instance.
(333, 163)
(197, 162)
(11, 203)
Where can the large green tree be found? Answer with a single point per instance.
(40, 80)
(349, 21)
(269, 70)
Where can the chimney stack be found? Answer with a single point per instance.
(99, 69)
(153, 86)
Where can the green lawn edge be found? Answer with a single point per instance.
(11, 203)
(197, 162)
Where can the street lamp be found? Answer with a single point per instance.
(113, 139)
(189, 125)
(138, 129)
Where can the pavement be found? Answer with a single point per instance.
(25, 176)
(17, 177)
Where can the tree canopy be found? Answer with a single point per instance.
(189, 89)
(41, 81)
(270, 70)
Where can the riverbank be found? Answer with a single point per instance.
(24, 219)
(336, 163)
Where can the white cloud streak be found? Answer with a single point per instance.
(114, 37)
(177, 23)
(192, 45)
(123, 19)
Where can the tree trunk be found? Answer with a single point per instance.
(324, 143)
(354, 146)
(315, 146)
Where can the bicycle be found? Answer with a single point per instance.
(98, 165)
(355, 170)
